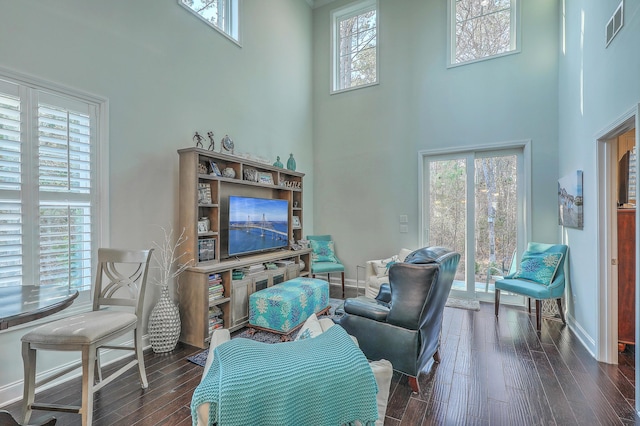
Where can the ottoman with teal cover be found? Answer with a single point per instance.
(285, 306)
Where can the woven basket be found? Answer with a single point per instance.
(164, 324)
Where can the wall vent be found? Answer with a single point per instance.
(615, 23)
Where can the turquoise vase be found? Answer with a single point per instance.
(291, 163)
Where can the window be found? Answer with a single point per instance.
(220, 14)
(482, 29)
(48, 179)
(355, 46)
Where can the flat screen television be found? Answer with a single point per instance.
(257, 225)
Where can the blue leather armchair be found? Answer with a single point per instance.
(403, 323)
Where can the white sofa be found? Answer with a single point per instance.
(382, 370)
(377, 272)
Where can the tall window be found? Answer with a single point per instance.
(220, 14)
(48, 169)
(482, 29)
(355, 45)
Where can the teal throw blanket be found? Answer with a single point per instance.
(325, 380)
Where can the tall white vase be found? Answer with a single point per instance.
(164, 323)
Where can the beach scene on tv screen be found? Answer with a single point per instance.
(257, 224)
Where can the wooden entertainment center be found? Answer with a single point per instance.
(209, 293)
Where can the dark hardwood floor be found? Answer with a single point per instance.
(492, 373)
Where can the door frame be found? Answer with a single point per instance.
(607, 251)
(524, 145)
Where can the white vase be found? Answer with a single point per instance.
(164, 323)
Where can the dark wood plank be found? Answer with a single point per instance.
(458, 400)
(558, 401)
(415, 412)
(436, 414)
(399, 399)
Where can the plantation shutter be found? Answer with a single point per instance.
(65, 185)
(11, 235)
(47, 187)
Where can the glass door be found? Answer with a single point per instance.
(472, 207)
(448, 213)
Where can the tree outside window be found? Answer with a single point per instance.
(220, 14)
(482, 29)
(355, 46)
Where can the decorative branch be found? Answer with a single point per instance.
(167, 258)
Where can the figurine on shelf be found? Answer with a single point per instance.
(291, 163)
(278, 163)
(198, 140)
(212, 145)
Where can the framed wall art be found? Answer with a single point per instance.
(570, 202)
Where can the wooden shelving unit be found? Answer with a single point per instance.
(204, 198)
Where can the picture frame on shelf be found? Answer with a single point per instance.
(203, 226)
(265, 177)
(296, 222)
(204, 193)
(215, 170)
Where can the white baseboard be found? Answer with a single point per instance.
(587, 341)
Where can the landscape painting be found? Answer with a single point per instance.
(570, 208)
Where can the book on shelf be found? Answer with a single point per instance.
(215, 318)
(215, 296)
(215, 311)
(254, 269)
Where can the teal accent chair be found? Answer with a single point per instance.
(323, 267)
(523, 281)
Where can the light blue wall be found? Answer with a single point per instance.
(597, 86)
(166, 74)
(366, 142)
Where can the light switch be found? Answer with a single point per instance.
(404, 229)
(404, 218)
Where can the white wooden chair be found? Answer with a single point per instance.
(118, 295)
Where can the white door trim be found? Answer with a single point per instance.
(607, 307)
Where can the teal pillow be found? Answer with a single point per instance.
(539, 267)
(323, 251)
(389, 265)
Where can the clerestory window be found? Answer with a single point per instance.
(482, 29)
(222, 15)
(355, 46)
